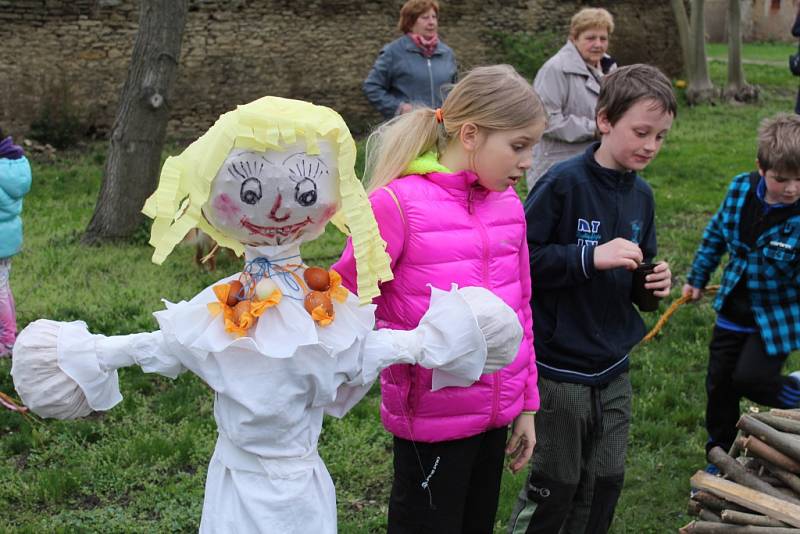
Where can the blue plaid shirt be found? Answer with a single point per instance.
(772, 267)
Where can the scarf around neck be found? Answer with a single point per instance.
(426, 45)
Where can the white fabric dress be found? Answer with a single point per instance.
(271, 389)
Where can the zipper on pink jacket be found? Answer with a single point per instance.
(496, 380)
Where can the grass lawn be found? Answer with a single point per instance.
(778, 52)
(141, 466)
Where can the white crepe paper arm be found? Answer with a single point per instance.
(464, 334)
(63, 371)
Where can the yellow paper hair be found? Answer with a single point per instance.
(266, 124)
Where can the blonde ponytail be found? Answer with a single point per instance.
(395, 144)
(495, 97)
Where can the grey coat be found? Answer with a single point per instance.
(402, 74)
(569, 91)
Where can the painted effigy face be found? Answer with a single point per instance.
(274, 198)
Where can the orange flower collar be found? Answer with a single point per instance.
(242, 301)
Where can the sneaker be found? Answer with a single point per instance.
(712, 469)
(796, 376)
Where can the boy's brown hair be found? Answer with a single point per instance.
(779, 143)
(622, 88)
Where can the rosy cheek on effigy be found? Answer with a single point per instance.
(226, 208)
(274, 197)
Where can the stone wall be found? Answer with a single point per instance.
(76, 52)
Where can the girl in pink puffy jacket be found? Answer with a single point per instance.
(441, 186)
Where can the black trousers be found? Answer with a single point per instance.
(448, 486)
(738, 366)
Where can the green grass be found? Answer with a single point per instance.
(141, 466)
(778, 52)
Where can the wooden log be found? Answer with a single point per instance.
(786, 443)
(790, 479)
(788, 414)
(693, 508)
(758, 448)
(783, 424)
(707, 527)
(708, 515)
(749, 498)
(737, 473)
(716, 504)
(741, 518)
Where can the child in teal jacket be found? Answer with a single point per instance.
(15, 182)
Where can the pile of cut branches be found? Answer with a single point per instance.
(758, 489)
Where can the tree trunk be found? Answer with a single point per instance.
(137, 137)
(700, 88)
(738, 89)
(684, 34)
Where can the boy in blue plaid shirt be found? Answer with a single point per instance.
(758, 304)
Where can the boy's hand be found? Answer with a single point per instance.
(617, 253)
(522, 441)
(692, 292)
(660, 280)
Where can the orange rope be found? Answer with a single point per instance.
(18, 407)
(11, 404)
(710, 290)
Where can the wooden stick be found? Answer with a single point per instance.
(791, 480)
(741, 518)
(786, 443)
(707, 527)
(708, 515)
(783, 424)
(749, 498)
(757, 447)
(736, 445)
(789, 414)
(716, 504)
(737, 473)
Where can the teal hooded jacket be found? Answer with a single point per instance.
(15, 182)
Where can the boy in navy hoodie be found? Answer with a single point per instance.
(590, 224)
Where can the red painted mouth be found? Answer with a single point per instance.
(273, 232)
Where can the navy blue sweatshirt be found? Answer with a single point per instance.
(584, 321)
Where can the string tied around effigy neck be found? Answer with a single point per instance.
(259, 268)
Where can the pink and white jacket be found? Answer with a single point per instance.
(444, 229)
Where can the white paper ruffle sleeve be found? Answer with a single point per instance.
(63, 371)
(465, 333)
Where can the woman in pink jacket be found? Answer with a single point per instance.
(441, 184)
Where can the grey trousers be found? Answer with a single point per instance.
(578, 465)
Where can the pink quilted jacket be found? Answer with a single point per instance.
(449, 229)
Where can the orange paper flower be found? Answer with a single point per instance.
(336, 291)
(321, 316)
(240, 318)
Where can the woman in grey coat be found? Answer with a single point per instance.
(568, 84)
(412, 69)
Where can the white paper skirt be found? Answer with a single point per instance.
(249, 494)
